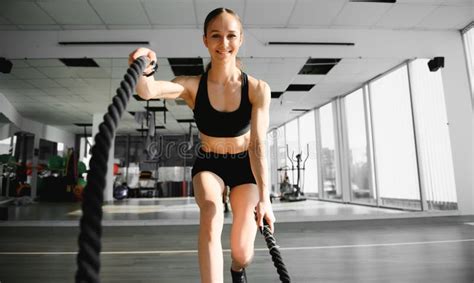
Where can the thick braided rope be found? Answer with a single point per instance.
(275, 253)
(88, 258)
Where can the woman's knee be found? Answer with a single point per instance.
(242, 257)
(211, 216)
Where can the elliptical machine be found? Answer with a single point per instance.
(294, 192)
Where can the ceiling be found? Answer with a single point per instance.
(42, 88)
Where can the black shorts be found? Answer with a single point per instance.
(233, 169)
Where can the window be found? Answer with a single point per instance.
(331, 190)
(432, 136)
(468, 35)
(394, 142)
(307, 129)
(359, 165)
(292, 142)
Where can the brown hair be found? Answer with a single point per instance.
(216, 12)
(213, 14)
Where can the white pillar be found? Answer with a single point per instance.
(97, 119)
(34, 165)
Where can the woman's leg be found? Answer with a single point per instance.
(208, 188)
(243, 199)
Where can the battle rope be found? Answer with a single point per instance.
(88, 258)
(275, 253)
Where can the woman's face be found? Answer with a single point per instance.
(224, 37)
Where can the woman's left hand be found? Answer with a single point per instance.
(264, 209)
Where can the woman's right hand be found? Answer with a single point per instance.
(143, 51)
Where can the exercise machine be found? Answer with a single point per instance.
(294, 192)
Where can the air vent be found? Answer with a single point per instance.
(374, 1)
(317, 66)
(186, 66)
(185, 120)
(146, 130)
(138, 98)
(83, 124)
(310, 43)
(104, 43)
(300, 87)
(156, 108)
(276, 94)
(79, 62)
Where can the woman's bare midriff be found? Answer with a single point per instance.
(225, 145)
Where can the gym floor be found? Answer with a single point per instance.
(155, 241)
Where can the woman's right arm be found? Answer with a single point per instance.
(148, 87)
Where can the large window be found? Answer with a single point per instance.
(469, 46)
(432, 136)
(292, 142)
(331, 189)
(272, 161)
(359, 165)
(394, 142)
(281, 157)
(308, 152)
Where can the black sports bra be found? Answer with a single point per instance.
(222, 124)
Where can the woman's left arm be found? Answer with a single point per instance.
(258, 133)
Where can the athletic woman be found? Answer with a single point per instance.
(231, 110)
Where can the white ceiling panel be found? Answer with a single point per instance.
(446, 17)
(307, 79)
(44, 63)
(19, 63)
(203, 8)
(70, 12)
(27, 73)
(57, 72)
(120, 12)
(342, 78)
(349, 66)
(21, 99)
(293, 96)
(46, 99)
(311, 100)
(361, 14)
(4, 77)
(59, 92)
(405, 16)
(170, 12)
(92, 73)
(24, 12)
(268, 13)
(32, 92)
(14, 84)
(129, 27)
(315, 12)
(100, 84)
(277, 83)
(43, 83)
(71, 82)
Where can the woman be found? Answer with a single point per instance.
(231, 111)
